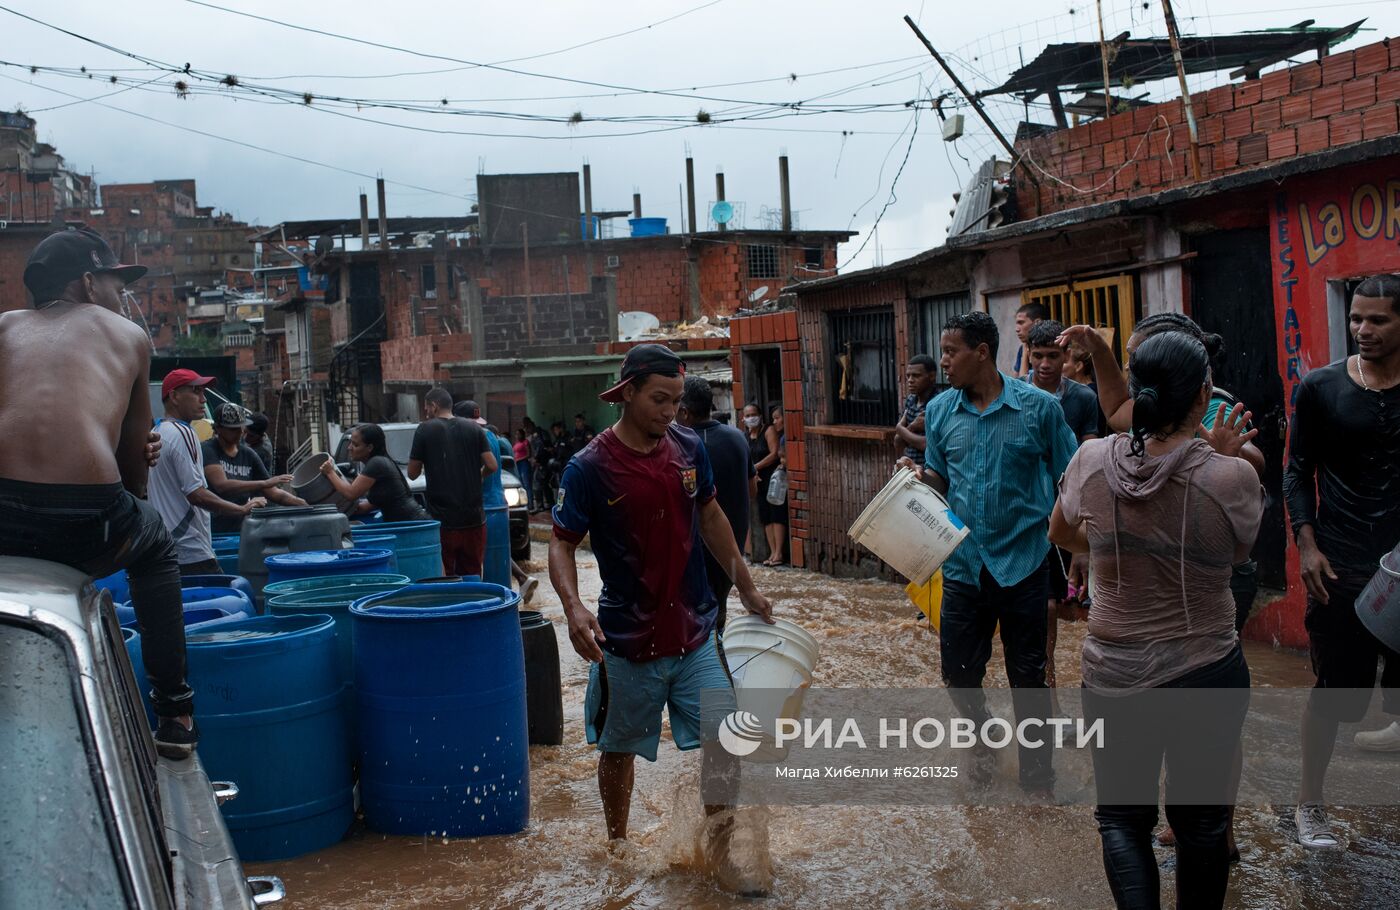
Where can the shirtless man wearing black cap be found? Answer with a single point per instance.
(73, 377)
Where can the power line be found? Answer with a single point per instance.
(888, 202)
(238, 142)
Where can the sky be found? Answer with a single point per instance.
(619, 84)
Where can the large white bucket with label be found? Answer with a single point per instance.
(771, 666)
(909, 526)
(1378, 607)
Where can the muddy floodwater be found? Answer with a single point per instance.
(866, 857)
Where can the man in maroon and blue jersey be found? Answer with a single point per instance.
(644, 493)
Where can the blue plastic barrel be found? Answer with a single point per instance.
(297, 585)
(236, 582)
(319, 563)
(117, 585)
(440, 688)
(198, 616)
(366, 541)
(270, 718)
(334, 602)
(226, 554)
(228, 600)
(496, 567)
(417, 545)
(647, 227)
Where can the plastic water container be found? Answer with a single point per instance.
(287, 529)
(544, 693)
(322, 563)
(440, 684)
(909, 526)
(417, 545)
(270, 718)
(297, 585)
(231, 602)
(315, 488)
(378, 542)
(1378, 606)
(495, 569)
(236, 582)
(116, 584)
(771, 666)
(334, 602)
(647, 227)
(198, 616)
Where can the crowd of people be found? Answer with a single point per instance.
(1128, 495)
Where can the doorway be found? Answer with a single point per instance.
(1232, 295)
(763, 378)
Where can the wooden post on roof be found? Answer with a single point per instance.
(1103, 54)
(1057, 106)
(1185, 92)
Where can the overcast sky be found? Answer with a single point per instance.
(843, 162)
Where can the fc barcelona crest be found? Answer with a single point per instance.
(688, 481)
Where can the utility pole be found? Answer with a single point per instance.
(1185, 92)
(972, 99)
(1103, 54)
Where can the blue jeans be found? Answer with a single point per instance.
(969, 617)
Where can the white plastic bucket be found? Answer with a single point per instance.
(772, 667)
(1378, 606)
(909, 526)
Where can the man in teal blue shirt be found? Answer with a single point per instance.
(996, 449)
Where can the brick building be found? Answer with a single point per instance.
(1298, 199)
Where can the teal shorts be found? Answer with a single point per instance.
(622, 710)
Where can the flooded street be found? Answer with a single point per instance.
(887, 856)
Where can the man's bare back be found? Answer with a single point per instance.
(73, 396)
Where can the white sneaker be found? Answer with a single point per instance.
(1313, 828)
(1386, 739)
(527, 590)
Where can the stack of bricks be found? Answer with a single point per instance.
(1346, 97)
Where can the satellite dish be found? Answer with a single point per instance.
(722, 212)
(633, 325)
(758, 294)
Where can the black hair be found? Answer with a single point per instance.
(520, 432)
(1386, 287)
(1044, 334)
(698, 398)
(439, 397)
(258, 423)
(1034, 310)
(775, 406)
(1180, 322)
(923, 360)
(557, 425)
(1165, 378)
(976, 328)
(492, 428)
(372, 435)
(578, 417)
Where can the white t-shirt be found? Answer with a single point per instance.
(178, 473)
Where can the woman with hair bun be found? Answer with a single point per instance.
(1163, 516)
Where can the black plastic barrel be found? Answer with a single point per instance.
(544, 692)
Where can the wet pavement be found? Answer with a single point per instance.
(823, 856)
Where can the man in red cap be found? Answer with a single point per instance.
(79, 500)
(179, 489)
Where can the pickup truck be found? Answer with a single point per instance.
(90, 816)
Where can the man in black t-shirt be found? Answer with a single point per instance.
(235, 472)
(736, 482)
(1342, 483)
(455, 454)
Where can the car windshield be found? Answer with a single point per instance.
(51, 805)
(400, 442)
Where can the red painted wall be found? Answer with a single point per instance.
(1336, 225)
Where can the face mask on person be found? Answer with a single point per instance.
(753, 422)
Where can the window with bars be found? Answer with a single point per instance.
(864, 375)
(932, 314)
(1101, 303)
(427, 274)
(762, 260)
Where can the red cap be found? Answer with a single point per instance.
(179, 378)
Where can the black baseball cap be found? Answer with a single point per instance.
(68, 255)
(645, 360)
(229, 414)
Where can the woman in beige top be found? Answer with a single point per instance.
(1163, 516)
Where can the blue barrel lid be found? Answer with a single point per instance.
(436, 601)
(328, 558)
(332, 596)
(389, 527)
(258, 630)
